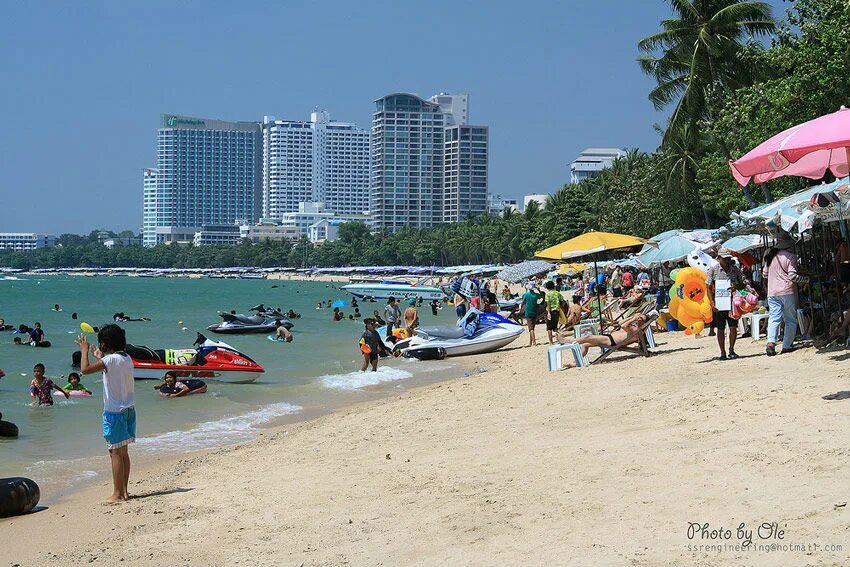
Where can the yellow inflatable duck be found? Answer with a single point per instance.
(689, 301)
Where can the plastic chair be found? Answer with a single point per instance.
(556, 353)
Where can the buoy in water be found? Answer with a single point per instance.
(18, 495)
(7, 428)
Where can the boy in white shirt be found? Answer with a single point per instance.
(119, 412)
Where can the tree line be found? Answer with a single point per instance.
(730, 73)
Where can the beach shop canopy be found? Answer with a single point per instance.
(524, 270)
(794, 213)
(673, 249)
(744, 243)
(591, 243)
(806, 150)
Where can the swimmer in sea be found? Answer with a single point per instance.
(56, 307)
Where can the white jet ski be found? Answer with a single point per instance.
(475, 333)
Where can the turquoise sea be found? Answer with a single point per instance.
(61, 446)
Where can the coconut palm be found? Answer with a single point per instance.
(699, 53)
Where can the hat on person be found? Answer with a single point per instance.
(724, 253)
(784, 242)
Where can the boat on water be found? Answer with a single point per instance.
(475, 333)
(251, 276)
(239, 324)
(211, 360)
(396, 288)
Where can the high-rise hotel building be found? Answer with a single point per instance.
(317, 161)
(149, 202)
(428, 165)
(208, 173)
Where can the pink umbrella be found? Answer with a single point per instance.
(806, 150)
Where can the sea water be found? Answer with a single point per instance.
(62, 445)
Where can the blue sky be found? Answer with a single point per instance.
(85, 83)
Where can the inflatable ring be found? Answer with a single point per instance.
(18, 495)
(7, 428)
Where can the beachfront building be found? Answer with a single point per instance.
(149, 197)
(269, 230)
(26, 240)
(539, 198)
(217, 234)
(419, 174)
(208, 174)
(498, 204)
(464, 172)
(455, 108)
(310, 213)
(407, 162)
(326, 230)
(593, 160)
(317, 161)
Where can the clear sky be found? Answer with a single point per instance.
(84, 84)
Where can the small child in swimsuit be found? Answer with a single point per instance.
(41, 387)
(74, 383)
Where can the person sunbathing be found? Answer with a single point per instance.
(623, 336)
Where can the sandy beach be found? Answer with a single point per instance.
(514, 466)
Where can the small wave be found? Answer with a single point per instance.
(356, 380)
(225, 431)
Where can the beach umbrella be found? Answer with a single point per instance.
(673, 249)
(806, 150)
(339, 303)
(589, 244)
(524, 270)
(571, 269)
(744, 243)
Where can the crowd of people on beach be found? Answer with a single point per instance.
(623, 295)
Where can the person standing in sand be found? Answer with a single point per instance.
(728, 277)
(780, 272)
(529, 303)
(119, 411)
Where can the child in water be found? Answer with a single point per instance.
(41, 387)
(74, 384)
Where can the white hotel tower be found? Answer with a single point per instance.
(317, 161)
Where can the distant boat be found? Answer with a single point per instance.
(252, 276)
(397, 289)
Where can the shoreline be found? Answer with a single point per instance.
(599, 466)
(144, 460)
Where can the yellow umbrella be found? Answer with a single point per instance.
(571, 269)
(591, 243)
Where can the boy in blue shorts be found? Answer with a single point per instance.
(119, 412)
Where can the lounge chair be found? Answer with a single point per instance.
(641, 347)
(646, 341)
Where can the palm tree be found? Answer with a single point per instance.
(699, 53)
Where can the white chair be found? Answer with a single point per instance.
(556, 353)
(586, 327)
(755, 324)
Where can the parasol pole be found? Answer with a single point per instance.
(598, 295)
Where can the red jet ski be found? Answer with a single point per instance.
(211, 360)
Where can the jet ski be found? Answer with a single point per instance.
(239, 324)
(475, 333)
(210, 360)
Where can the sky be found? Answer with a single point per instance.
(84, 84)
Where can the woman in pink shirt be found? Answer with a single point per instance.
(780, 272)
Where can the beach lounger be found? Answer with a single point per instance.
(641, 347)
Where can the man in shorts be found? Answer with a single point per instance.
(553, 310)
(725, 271)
